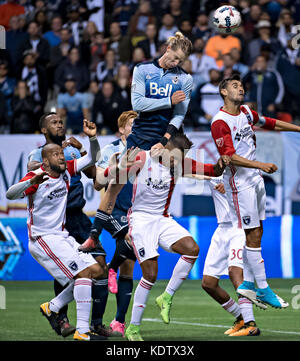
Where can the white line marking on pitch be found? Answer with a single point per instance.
(215, 326)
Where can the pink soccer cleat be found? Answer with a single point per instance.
(112, 281)
(117, 326)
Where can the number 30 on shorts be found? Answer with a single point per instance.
(236, 253)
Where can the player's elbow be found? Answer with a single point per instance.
(9, 195)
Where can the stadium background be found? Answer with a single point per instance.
(95, 45)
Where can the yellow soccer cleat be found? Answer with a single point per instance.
(249, 329)
(88, 336)
(164, 302)
(238, 324)
(51, 317)
(133, 333)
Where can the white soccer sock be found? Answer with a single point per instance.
(246, 309)
(140, 300)
(63, 298)
(82, 296)
(232, 307)
(257, 266)
(180, 272)
(247, 273)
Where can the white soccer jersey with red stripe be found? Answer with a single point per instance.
(153, 188)
(47, 202)
(240, 129)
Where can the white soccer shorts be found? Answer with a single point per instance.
(225, 250)
(247, 207)
(59, 255)
(148, 232)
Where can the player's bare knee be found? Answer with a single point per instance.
(208, 284)
(126, 268)
(193, 249)
(150, 275)
(85, 273)
(97, 271)
(253, 237)
(102, 262)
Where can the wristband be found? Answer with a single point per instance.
(164, 141)
(171, 129)
(82, 149)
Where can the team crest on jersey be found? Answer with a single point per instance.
(124, 219)
(247, 220)
(65, 177)
(220, 142)
(175, 80)
(142, 252)
(73, 265)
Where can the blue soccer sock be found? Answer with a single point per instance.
(125, 286)
(99, 295)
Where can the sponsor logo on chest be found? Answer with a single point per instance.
(162, 91)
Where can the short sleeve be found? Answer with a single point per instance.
(221, 134)
(35, 155)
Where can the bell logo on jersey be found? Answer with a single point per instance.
(163, 91)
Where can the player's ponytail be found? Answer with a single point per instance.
(179, 41)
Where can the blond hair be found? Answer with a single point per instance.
(125, 116)
(179, 41)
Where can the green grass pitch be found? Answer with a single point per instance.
(194, 315)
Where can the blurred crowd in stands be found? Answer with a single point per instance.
(77, 57)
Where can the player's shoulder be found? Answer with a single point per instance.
(220, 115)
(144, 63)
(35, 155)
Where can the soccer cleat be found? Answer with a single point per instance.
(88, 246)
(88, 336)
(238, 324)
(249, 329)
(65, 327)
(248, 290)
(164, 302)
(112, 281)
(52, 317)
(266, 295)
(118, 327)
(105, 331)
(132, 333)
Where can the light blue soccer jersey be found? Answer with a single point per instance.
(152, 88)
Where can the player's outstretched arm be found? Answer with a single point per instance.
(243, 162)
(17, 190)
(89, 129)
(286, 127)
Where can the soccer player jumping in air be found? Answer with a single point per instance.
(233, 133)
(160, 94)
